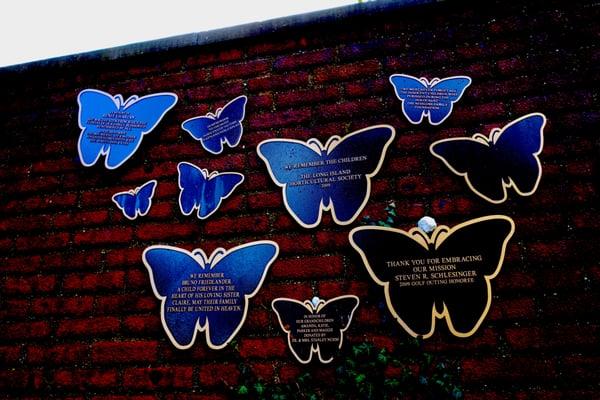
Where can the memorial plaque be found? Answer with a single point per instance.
(335, 176)
(207, 294)
(507, 158)
(315, 326)
(224, 126)
(444, 275)
(134, 203)
(204, 191)
(432, 99)
(113, 127)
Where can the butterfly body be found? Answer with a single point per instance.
(508, 157)
(335, 176)
(432, 99)
(315, 328)
(224, 126)
(446, 275)
(137, 202)
(204, 191)
(114, 127)
(207, 294)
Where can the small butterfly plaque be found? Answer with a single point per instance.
(137, 202)
(224, 126)
(431, 99)
(203, 190)
(315, 327)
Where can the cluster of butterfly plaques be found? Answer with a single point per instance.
(426, 274)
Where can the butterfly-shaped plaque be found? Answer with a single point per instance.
(315, 326)
(335, 176)
(204, 191)
(137, 202)
(446, 274)
(114, 127)
(508, 158)
(224, 126)
(432, 99)
(207, 294)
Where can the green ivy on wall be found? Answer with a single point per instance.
(364, 371)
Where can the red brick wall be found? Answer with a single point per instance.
(78, 317)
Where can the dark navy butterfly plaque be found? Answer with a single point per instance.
(315, 327)
(335, 176)
(204, 191)
(431, 99)
(507, 158)
(113, 127)
(444, 275)
(137, 202)
(222, 127)
(207, 294)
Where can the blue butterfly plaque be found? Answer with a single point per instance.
(507, 158)
(204, 191)
(114, 127)
(432, 99)
(207, 294)
(222, 127)
(335, 176)
(134, 203)
(443, 275)
(315, 326)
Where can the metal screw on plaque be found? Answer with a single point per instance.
(315, 301)
(427, 224)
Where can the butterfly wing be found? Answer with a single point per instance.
(339, 311)
(170, 268)
(143, 197)
(476, 161)
(219, 187)
(410, 90)
(518, 146)
(289, 313)
(367, 148)
(467, 302)
(93, 106)
(379, 248)
(283, 158)
(202, 129)
(191, 184)
(144, 114)
(447, 92)
(127, 203)
(233, 112)
(245, 268)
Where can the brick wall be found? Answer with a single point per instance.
(78, 317)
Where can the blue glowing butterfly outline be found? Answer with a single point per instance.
(215, 115)
(319, 148)
(494, 135)
(200, 256)
(430, 83)
(314, 348)
(207, 176)
(118, 100)
(436, 238)
(135, 192)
